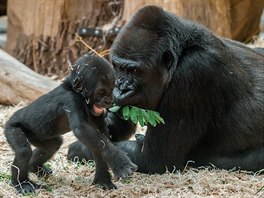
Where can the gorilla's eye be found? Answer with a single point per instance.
(136, 70)
(133, 70)
(114, 65)
(118, 67)
(121, 68)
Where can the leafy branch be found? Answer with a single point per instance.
(138, 115)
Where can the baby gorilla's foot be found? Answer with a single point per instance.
(42, 171)
(105, 184)
(121, 165)
(26, 187)
(103, 179)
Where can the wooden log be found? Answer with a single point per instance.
(19, 83)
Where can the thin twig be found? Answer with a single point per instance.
(78, 38)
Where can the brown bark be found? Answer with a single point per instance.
(245, 15)
(236, 19)
(3, 6)
(42, 33)
(19, 83)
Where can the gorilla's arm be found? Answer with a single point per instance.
(119, 129)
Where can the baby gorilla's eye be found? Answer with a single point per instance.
(102, 92)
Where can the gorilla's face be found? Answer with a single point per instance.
(140, 62)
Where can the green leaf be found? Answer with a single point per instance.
(126, 112)
(158, 118)
(141, 119)
(5, 176)
(138, 115)
(114, 108)
(133, 114)
(145, 116)
(152, 119)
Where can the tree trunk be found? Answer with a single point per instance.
(19, 83)
(236, 19)
(42, 33)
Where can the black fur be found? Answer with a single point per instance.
(73, 105)
(209, 90)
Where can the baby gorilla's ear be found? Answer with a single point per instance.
(77, 84)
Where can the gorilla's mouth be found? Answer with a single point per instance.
(128, 97)
(120, 97)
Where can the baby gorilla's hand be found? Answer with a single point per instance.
(121, 165)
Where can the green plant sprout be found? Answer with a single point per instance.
(4, 176)
(138, 115)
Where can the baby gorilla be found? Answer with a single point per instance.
(77, 104)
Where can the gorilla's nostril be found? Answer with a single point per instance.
(118, 82)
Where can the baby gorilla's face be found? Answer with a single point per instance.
(102, 96)
(94, 78)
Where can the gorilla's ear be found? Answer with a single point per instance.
(167, 58)
(77, 84)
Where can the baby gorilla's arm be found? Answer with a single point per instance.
(103, 150)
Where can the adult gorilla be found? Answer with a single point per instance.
(209, 90)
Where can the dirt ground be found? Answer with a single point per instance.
(74, 180)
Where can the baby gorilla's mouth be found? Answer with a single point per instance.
(97, 111)
(99, 105)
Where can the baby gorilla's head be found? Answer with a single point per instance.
(94, 78)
